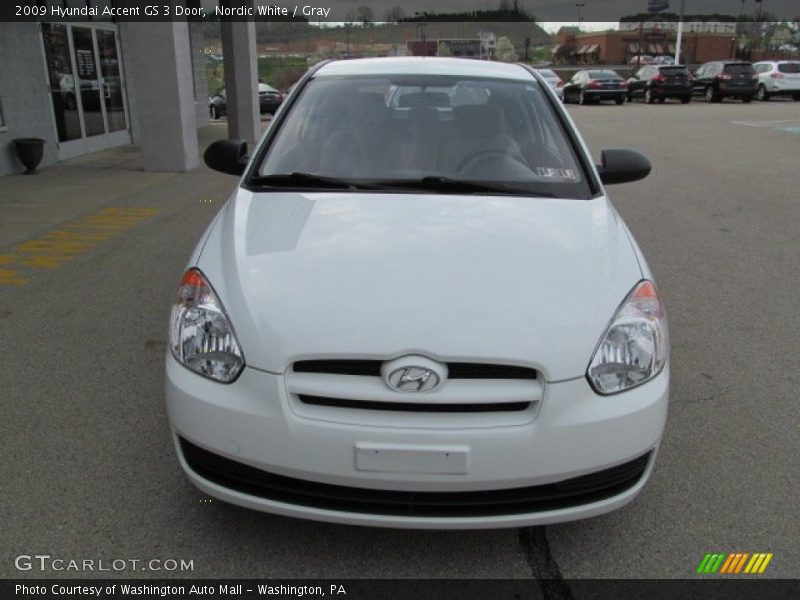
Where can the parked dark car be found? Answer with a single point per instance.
(269, 99)
(659, 82)
(726, 79)
(593, 85)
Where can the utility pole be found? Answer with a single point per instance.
(680, 35)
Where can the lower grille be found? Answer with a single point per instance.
(563, 494)
(414, 406)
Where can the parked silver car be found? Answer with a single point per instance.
(554, 81)
(778, 77)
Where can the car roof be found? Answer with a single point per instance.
(420, 65)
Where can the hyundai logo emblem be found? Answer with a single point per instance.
(413, 374)
(413, 379)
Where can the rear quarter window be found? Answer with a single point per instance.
(789, 67)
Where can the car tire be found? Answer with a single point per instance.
(582, 99)
(648, 96)
(762, 93)
(711, 95)
(214, 113)
(747, 99)
(686, 99)
(662, 100)
(620, 100)
(796, 97)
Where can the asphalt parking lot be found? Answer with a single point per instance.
(89, 470)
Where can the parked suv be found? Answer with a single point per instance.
(778, 77)
(726, 79)
(659, 82)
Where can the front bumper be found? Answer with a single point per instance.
(574, 435)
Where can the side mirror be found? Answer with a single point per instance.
(622, 166)
(227, 156)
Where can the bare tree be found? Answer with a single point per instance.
(395, 14)
(365, 15)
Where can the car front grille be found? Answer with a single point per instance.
(424, 407)
(568, 493)
(456, 370)
(469, 388)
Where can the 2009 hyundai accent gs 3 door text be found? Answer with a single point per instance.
(419, 309)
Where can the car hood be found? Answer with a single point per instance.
(461, 278)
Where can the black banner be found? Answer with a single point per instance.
(389, 589)
(359, 12)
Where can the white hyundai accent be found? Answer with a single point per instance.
(419, 313)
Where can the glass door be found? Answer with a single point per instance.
(87, 88)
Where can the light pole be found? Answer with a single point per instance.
(579, 6)
(680, 36)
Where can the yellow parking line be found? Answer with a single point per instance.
(55, 247)
(11, 277)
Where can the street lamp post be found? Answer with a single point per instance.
(680, 36)
(579, 6)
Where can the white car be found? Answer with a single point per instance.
(419, 318)
(554, 81)
(778, 78)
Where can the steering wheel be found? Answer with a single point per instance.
(471, 159)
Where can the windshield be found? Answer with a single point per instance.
(673, 70)
(604, 75)
(403, 129)
(739, 69)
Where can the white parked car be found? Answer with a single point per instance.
(554, 81)
(419, 317)
(778, 78)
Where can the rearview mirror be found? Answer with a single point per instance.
(227, 156)
(621, 166)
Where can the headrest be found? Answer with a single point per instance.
(479, 120)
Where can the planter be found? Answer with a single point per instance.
(29, 152)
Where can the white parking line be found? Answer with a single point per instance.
(767, 123)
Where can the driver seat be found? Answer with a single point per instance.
(481, 128)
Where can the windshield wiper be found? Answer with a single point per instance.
(303, 180)
(438, 183)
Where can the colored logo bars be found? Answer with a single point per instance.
(735, 562)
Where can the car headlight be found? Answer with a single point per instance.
(634, 346)
(200, 334)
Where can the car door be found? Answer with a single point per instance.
(634, 83)
(644, 79)
(700, 81)
(572, 89)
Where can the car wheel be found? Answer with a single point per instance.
(582, 99)
(747, 99)
(648, 96)
(796, 97)
(214, 113)
(662, 100)
(762, 94)
(686, 99)
(711, 95)
(620, 100)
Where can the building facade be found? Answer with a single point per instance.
(72, 84)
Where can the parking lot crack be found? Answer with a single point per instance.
(544, 568)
